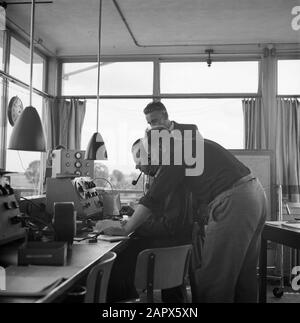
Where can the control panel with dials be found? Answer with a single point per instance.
(10, 226)
(71, 162)
(80, 190)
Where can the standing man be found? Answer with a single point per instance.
(157, 115)
(236, 205)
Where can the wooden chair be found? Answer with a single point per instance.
(98, 278)
(162, 268)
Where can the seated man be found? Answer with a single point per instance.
(169, 226)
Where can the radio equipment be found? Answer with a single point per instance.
(10, 227)
(80, 190)
(71, 162)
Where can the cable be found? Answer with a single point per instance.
(49, 224)
(22, 165)
(104, 180)
(33, 203)
(21, 162)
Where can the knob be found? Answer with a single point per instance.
(3, 190)
(7, 206)
(9, 189)
(78, 164)
(14, 204)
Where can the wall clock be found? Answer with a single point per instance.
(15, 108)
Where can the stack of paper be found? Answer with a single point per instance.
(112, 238)
(30, 281)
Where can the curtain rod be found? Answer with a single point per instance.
(289, 96)
(24, 85)
(166, 96)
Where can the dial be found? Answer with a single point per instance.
(14, 110)
(78, 155)
(78, 164)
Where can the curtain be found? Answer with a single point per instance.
(288, 147)
(64, 120)
(254, 124)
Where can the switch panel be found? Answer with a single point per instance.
(71, 162)
(10, 228)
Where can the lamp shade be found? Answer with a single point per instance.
(96, 149)
(28, 132)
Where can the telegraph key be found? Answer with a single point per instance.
(10, 226)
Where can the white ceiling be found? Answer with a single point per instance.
(69, 27)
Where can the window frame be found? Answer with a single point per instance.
(285, 57)
(156, 92)
(7, 78)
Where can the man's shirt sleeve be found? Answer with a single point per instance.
(168, 179)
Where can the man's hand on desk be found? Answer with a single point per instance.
(110, 227)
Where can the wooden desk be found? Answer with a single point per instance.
(289, 237)
(81, 258)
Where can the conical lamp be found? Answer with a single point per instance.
(96, 149)
(28, 132)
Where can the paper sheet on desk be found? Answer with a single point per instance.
(287, 224)
(112, 238)
(276, 223)
(31, 280)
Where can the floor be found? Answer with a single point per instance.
(288, 297)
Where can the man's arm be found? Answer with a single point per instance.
(109, 227)
(140, 215)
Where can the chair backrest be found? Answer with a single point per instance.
(162, 268)
(98, 278)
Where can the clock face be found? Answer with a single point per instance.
(14, 110)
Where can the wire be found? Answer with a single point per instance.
(22, 165)
(104, 180)
(49, 224)
(36, 205)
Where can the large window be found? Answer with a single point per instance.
(221, 77)
(26, 165)
(220, 120)
(19, 65)
(119, 78)
(121, 123)
(288, 77)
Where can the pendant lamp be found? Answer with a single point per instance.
(96, 149)
(28, 134)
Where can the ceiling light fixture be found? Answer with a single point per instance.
(28, 133)
(96, 149)
(209, 60)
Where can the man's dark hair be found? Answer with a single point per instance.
(155, 106)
